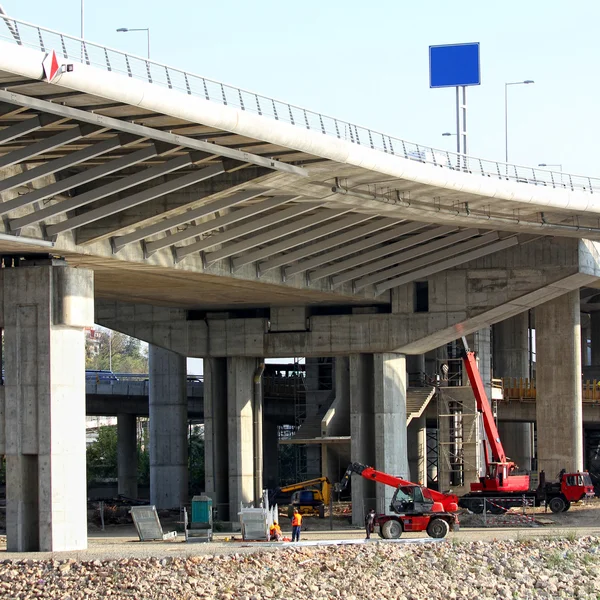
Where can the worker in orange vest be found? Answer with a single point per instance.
(275, 532)
(296, 525)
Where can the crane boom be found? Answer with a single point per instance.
(448, 501)
(483, 405)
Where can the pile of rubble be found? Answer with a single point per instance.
(541, 568)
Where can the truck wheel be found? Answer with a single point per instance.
(438, 528)
(567, 506)
(476, 506)
(290, 511)
(322, 511)
(391, 530)
(557, 504)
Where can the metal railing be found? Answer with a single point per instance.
(523, 389)
(136, 67)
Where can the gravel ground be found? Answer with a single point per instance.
(552, 567)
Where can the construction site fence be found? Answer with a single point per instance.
(519, 388)
(505, 512)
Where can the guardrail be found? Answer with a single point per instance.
(523, 389)
(77, 50)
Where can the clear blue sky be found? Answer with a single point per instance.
(367, 62)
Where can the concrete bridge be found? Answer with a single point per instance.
(214, 222)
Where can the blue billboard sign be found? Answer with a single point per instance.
(452, 65)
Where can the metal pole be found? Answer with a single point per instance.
(110, 351)
(82, 20)
(457, 128)
(506, 123)
(148, 32)
(464, 123)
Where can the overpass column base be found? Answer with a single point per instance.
(229, 433)
(417, 449)
(558, 382)
(45, 307)
(378, 426)
(127, 455)
(168, 428)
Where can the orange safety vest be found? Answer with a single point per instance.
(297, 520)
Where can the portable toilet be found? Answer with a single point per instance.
(202, 512)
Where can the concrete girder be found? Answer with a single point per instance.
(232, 217)
(462, 300)
(102, 191)
(273, 234)
(298, 240)
(76, 180)
(399, 227)
(437, 254)
(447, 264)
(55, 141)
(245, 229)
(136, 199)
(395, 253)
(329, 242)
(354, 248)
(53, 166)
(148, 132)
(209, 208)
(24, 127)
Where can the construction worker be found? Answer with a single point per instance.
(275, 532)
(296, 525)
(370, 523)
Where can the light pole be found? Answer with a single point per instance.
(146, 29)
(82, 5)
(551, 165)
(527, 81)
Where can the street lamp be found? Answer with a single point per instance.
(527, 81)
(146, 29)
(551, 165)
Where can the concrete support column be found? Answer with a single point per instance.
(594, 337)
(240, 394)
(558, 399)
(378, 425)
(511, 360)
(44, 308)
(168, 428)
(270, 455)
(127, 455)
(417, 449)
(511, 347)
(216, 458)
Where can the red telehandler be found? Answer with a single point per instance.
(415, 508)
(499, 484)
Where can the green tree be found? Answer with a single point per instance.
(101, 455)
(196, 460)
(113, 349)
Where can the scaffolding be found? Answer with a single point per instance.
(458, 424)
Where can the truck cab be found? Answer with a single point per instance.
(414, 499)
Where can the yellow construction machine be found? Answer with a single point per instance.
(310, 496)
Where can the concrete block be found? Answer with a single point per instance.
(289, 318)
(73, 297)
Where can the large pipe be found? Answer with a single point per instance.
(257, 413)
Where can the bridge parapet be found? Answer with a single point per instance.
(72, 49)
(524, 390)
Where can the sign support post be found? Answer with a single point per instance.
(456, 65)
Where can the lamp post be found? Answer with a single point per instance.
(82, 5)
(551, 165)
(527, 81)
(146, 29)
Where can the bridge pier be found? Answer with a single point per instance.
(377, 426)
(229, 433)
(127, 455)
(44, 309)
(511, 359)
(559, 395)
(168, 428)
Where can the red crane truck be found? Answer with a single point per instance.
(415, 508)
(499, 484)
